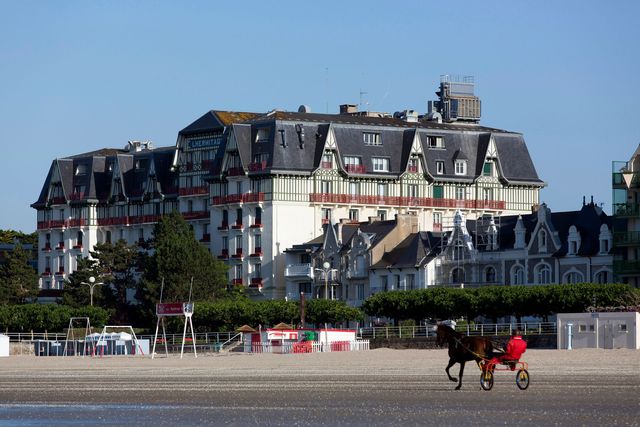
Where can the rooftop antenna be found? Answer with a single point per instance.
(326, 89)
(190, 288)
(361, 96)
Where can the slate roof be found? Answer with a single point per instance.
(216, 119)
(587, 220)
(91, 173)
(288, 149)
(413, 252)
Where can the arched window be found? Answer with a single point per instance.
(543, 274)
(603, 277)
(573, 277)
(517, 275)
(542, 241)
(457, 275)
(490, 275)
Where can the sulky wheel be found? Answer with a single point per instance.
(486, 380)
(522, 379)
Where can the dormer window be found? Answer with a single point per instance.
(461, 167)
(605, 239)
(262, 136)
(439, 167)
(542, 241)
(413, 165)
(380, 164)
(435, 141)
(81, 169)
(371, 138)
(573, 240)
(487, 169)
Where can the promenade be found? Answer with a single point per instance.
(377, 387)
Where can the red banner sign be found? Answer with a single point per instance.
(169, 309)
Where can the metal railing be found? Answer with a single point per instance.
(479, 329)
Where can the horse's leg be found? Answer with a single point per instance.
(451, 363)
(460, 375)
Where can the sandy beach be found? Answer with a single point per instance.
(377, 387)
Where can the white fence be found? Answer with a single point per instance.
(480, 329)
(309, 347)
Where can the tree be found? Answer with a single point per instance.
(76, 292)
(321, 311)
(178, 257)
(18, 280)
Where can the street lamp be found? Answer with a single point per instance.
(326, 268)
(92, 284)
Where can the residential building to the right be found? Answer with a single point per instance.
(626, 219)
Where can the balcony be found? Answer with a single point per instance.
(60, 246)
(256, 282)
(77, 222)
(405, 201)
(195, 215)
(238, 254)
(256, 225)
(77, 247)
(238, 198)
(51, 224)
(626, 210)
(258, 166)
(620, 180)
(60, 271)
(122, 220)
(237, 171)
(353, 274)
(224, 226)
(47, 247)
(194, 191)
(626, 238)
(236, 282)
(46, 272)
(75, 196)
(206, 237)
(237, 226)
(355, 168)
(304, 271)
(326, 165)
(257, 253)
(224, 254)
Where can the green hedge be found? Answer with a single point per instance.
(46, 317)
(496, 301)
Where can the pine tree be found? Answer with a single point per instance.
(18, 280)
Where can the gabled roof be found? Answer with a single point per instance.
(217, 119)
(413, 252)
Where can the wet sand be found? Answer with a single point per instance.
(377, 387)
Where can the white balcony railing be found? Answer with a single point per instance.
(299, 270)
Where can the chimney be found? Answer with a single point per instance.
(348, 109)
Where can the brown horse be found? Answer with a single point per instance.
(462, 349)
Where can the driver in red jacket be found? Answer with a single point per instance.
(515, 347)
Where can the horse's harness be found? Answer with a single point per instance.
(459, 341)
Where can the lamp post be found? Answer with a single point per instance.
(326, 268)
(92, 284)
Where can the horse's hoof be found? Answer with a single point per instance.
(453, 379)
(458, 388)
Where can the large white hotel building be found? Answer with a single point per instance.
(254, 184)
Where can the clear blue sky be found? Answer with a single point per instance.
(77, 76)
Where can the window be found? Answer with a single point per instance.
(325, 187)
(458, 250)
(239, 216)
(437, 221)
(107, 238)
(542, 241)
(81, 169)
(380, 164)
(435, 141)
(225, 243)
(543, 274)
(438, 191)
(382, 214)
(574, 240)
(263, 135)
(326, 215)
(490, 275)
(238, 271)
(413, 165)
(573, 277)
(461, 167)
(602, 277)
(487, 194)
(257, 243)
(258, 219)
(582, 327)
(412, 190)
(327, 161)
(457, 275)
(487, 169)
(382, 190)
(256, 186)
(238, 244)
(353, 215)
(396, 281)
(371, 138)
(439, 167)
(257, 271)
(190, 206)
(517, 275)
(384, 283)
(410, 280)
(351, 160)
(460, 193)
(354, 188)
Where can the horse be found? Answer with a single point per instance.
(462, 349)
